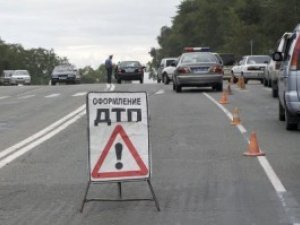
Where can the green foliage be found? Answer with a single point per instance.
(227, 26)
(39, 62)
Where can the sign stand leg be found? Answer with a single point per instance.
(120, 189)
(85, 195)
(153, 195)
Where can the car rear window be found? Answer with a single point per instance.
(228, 59)
(63, 68)
(21, 72)
(169, 62)
(198, 57)
(130, 64)
(258, 59)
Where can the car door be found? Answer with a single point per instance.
(284, 68)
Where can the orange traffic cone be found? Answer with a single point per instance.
(235, 117)
(242, 83)
(253, 148)
(224, 98)
(239, 82)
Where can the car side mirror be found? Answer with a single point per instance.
(277, 56)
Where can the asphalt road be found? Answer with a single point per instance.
(199, 173)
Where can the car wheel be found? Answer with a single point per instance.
(281, 112)
(265, 82)
(178, 88)
(274, 92)
(119, 81)
(166, 79)
(269, 83)
(53, 82)
(219, 87)
(290, 121)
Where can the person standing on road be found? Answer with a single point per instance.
(109, 68)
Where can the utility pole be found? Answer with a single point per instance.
(251, 46)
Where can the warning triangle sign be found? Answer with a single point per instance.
(118, 170)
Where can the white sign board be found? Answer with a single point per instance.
(118, 136)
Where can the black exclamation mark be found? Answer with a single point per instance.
(119, 148)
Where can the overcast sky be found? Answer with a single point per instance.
(87, 31)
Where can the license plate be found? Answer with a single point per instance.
(199, 70)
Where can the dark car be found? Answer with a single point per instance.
(65, 73)
(129, 70)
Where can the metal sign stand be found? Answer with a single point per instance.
(121, 199)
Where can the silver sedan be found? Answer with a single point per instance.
(198, 69)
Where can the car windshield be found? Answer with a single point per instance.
(21, 72)
(130, 64)
(258, 59)
(198, 57)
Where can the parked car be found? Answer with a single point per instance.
(20, 77)
(228, 62)
(162, 74)
(275, 65)
(65, 73)
(289, 81)
(267, 81)
(167, 72)
(251, 67)
(5, 77)
(198, 68)
(129, 70)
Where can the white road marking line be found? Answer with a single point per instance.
(228, 114)
(112, 87)
(241, 128)
(161, 91)
(271, 174)
(39, 141)
(79, 94)
(41, 133)
(52, 95)
(277, 184)
(4, 97)
(26, 96)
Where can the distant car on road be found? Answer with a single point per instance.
(251, 67)
(5, 77)
(65, 73)
(129, 70)
(20, 77)
(228, 62)
(164, 74)
(197, 67)
(167, 72)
